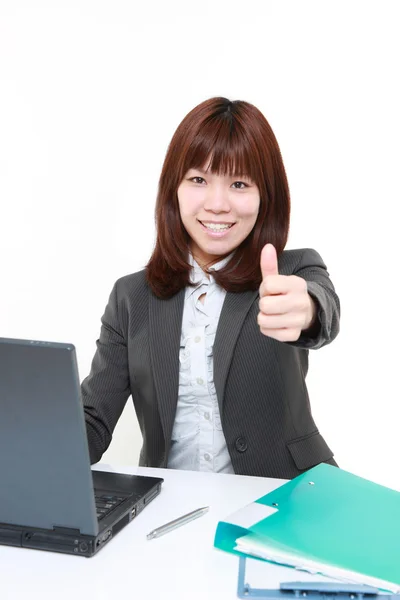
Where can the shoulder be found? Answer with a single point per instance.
(292, 261)
(132, 281)
(132, 287)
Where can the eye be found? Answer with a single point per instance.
(197, 179)
(239, 185)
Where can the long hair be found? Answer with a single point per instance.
(234, 138)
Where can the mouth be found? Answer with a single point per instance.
(215, 228)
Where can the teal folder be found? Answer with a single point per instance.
(327, 521)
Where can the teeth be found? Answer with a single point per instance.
(217, 226)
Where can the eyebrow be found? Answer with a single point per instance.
(200, 170)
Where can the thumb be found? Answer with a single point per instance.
(269, 261)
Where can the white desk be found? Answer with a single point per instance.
(181, 565)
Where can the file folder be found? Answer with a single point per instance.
(318, 590)
(326, 521)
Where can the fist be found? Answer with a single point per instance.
(286, 308)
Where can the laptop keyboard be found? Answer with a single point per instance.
(105, 503)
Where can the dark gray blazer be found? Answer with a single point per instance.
(260, 382)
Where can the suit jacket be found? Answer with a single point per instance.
(260, 382)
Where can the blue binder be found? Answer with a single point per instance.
(326, 520)
(293, 590)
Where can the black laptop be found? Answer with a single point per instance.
(50, 499)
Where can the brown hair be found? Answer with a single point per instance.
(236, 139)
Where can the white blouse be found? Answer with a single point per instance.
(198, 442)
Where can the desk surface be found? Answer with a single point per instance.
(182, 564)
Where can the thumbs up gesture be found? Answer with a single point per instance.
(286, 308)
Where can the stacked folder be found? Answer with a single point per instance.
(326, 521)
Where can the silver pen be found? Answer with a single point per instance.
(177, 523)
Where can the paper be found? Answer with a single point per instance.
(254, 545)
(266, 575)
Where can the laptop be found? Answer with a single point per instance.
(50, 499)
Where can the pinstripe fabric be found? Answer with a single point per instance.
(260, 383)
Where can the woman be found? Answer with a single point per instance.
(212, 338)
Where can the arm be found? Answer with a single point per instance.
(325, 324)
(298, 303)
(107, 387)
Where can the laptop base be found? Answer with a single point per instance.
(71, 541)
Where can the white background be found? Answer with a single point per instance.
(90, 95)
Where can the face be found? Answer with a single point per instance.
(217, 211)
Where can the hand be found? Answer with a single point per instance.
(286, 308)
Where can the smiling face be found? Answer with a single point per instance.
(217, 211)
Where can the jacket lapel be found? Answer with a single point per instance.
(165, 323)
(234, 311)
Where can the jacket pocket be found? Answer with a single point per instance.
(309, 450)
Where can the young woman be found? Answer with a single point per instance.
(212, 338)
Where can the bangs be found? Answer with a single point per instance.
(223, 147)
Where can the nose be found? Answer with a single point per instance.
(217, 199)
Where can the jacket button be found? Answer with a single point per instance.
(241, 444)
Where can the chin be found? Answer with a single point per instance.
(219, 251)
